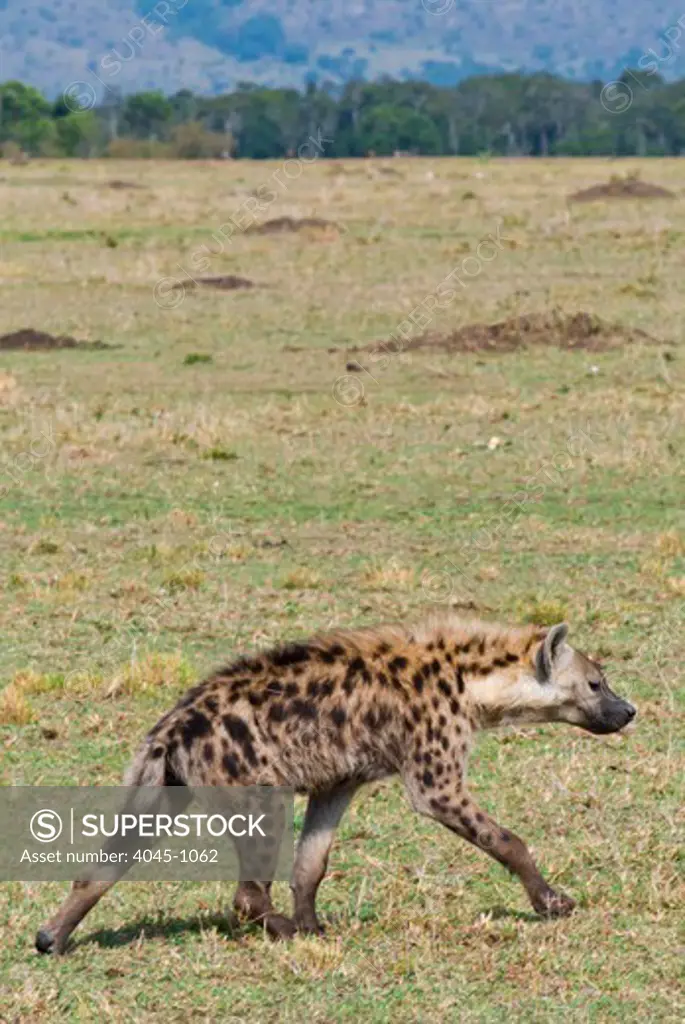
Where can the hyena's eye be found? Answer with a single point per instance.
(594, 686)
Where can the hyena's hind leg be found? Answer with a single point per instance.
(324, 812)
(252, 900)
(84, 894)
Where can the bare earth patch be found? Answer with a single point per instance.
(629, 187)
(291, 225)
(28, 339)
(560, 330)
(225, 283)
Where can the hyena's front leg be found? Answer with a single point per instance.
(455, 809)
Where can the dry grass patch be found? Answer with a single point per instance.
(301, 578)
(389, 576)
(153, 671)
(14, 707)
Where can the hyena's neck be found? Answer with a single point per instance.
(494, 664)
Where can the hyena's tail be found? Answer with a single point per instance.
(154, 766)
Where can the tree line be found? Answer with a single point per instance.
(504, 115)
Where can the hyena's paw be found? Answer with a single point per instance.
(554, 904)
(279, 927)
(309, 926)
(47, 942)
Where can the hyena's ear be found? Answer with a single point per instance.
(549, 651)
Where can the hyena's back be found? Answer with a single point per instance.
(308, 715)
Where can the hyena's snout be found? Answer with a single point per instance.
(613, 714)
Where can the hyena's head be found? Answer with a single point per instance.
(574, 688)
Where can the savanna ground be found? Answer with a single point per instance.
(205, 487)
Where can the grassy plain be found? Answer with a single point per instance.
(172, 511)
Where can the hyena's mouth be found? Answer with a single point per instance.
(612, 721)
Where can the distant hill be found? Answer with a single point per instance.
(211, 45)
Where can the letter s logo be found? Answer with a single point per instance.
(46, 826)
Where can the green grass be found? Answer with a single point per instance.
(180, 514)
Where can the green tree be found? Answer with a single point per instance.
(146, 115)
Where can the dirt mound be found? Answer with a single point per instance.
(226, 283)
(117, 183)
(556, 329)
(29, 340)
(285, 225)
(629, 187)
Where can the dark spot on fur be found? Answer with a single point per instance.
(208, 753)
(277, 713)
(231, 765)
(428, 778)
(291, 654)
(430, 646)
(398, 664)
(304, 709)
(211, 705)
(435, 667)
(417, 680)
(338, 717)
(331, 654)
(382, 679)
(356, 668)
(292, 690)
(442, 721)
(441, 643)
(313, 688)
(444, 687)
(427, 757)
(274, 688)
(157, 752)
(195, 725)
(511, 658)
(239, 732)
(327, 687)
(460, 682)
(256, 699)
(382, 649)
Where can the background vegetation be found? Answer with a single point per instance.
(509, 115)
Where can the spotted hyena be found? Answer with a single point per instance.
(326, 716)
